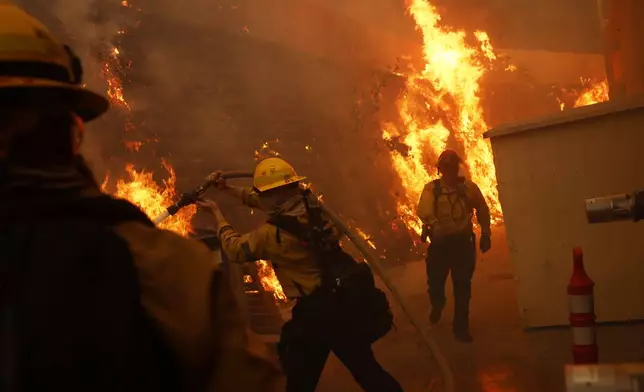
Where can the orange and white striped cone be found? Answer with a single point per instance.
(582, 312)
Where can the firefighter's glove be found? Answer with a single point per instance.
(217, 179)
(485, 243)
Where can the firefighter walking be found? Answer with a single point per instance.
(446, 209)
(338, 308)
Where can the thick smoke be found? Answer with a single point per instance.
(77, 23)
(210, 82)
(226, 78)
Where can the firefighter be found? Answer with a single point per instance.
(317, 327)
(92, 296)
(446, 208)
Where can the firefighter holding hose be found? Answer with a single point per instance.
(338, 308)
(92, 296)
(446, 208)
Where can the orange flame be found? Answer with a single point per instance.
(366, 237)
(441, 103)
(112, 72)
(269, 280)
(141, 190)
(589, 92)
(592, 93)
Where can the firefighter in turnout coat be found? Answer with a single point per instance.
(93, 297)
(314, 331)
(446, 208)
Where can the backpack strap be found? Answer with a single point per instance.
(291, 225)
(461, 191)
(320, 237)
(437, 193)
(313, 234)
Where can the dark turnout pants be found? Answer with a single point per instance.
(307, 349)
(454, 254)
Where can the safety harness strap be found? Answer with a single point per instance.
(312, 234)
(461, 191)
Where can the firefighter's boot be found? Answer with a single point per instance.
(461, 326)
(435, 315)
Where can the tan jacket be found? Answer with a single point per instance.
(194, 307)
(294, 258)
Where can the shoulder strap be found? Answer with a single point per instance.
(313, 234)
(461, 188)
(319, 236)
(437, 193)
(437, 188)
(291, 225)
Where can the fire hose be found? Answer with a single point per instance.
(190, 197)
(363, 247)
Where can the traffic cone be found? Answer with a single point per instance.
(582, 312)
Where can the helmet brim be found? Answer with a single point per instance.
(278, 184)
(87, 104)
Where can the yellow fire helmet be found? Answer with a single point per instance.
(272, 173)
(31, 59)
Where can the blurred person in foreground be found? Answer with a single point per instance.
(92, 296)
(338, 309)
(446, 209)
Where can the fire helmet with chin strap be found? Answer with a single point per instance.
(272, 173)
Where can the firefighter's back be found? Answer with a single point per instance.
(73, 314)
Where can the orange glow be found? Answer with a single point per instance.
(114, 85)
(269, 280)
(366, 237)
(496, 379)
(592, 93)
(589, 92)
(132, 145)
(440, 103)
(141, 190)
